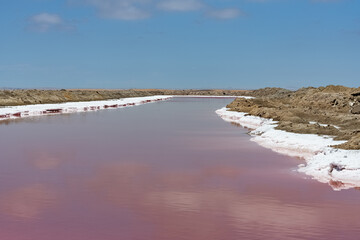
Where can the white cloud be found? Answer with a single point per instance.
(326, 1)
(47, 18)
(45, 22)
(121, 9)
(227, 13)
(321, 1)
(180, 5)
(142, 9)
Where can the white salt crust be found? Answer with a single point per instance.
(71, 107)
(339, 168)
(15, 112)
(211, 96)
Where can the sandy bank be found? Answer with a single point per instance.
(331, 110)
(320, 126)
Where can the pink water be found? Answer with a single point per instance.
(163, 171)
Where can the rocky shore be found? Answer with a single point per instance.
(331, 110)
(33, 96)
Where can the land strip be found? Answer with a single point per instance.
(34, 96)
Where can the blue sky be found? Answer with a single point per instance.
(240, 44)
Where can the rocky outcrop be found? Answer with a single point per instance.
(355, 94)
(355, 109)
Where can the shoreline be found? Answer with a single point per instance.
(331, 110)
(337, 167)
(24, 111)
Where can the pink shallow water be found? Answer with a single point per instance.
(163, 171)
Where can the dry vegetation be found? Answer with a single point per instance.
(23, 97)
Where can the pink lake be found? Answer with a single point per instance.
(161, 171)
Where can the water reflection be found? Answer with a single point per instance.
(48, 159)
(28, 202)
(44, 160)
(191, 204)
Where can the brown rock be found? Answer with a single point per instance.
(355, 94)
(356, 110)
